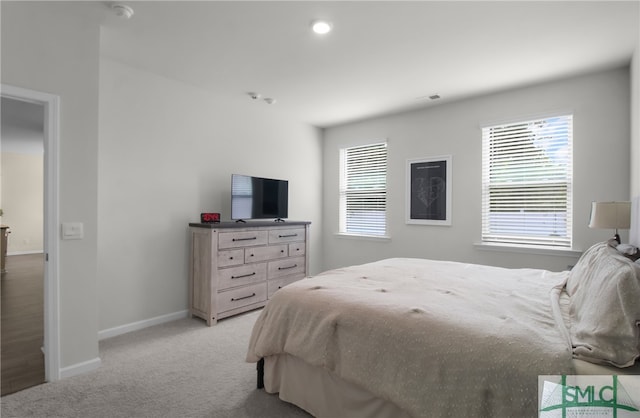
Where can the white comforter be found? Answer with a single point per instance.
(435, 338)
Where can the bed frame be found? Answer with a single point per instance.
(260, 370)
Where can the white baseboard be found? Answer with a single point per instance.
(134, 326)
(24, 252)
(90, 365)
(80, 368)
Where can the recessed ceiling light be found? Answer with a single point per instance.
(321, 27)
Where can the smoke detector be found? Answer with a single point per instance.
(122, 10)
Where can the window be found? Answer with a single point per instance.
(363, 190)
(527, 182)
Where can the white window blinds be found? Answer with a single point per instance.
(363, 190)
(527, 182)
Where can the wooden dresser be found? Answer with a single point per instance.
(236, 267)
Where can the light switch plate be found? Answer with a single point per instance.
(72, 230)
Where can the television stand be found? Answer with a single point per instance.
(241, 221)
(279, 220)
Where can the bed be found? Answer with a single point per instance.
(409, 337)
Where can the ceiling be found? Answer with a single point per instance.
(382, 56)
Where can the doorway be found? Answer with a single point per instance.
(32, 267)
(22, 285)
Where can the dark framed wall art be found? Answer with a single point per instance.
(429, 191)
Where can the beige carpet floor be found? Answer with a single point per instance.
(178, 369)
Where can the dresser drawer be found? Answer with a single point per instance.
(242, 239)
(276, 284)
(271, 252)
(286, 267)
(237, 298)
(230, 257)
(286, 235)
(241, 275)
(297, 248)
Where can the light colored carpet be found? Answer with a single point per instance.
(179, 369)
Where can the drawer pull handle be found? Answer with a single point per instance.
(244, 275)
(244, 297)
(244, 239)
(287, 236)
(287, 268)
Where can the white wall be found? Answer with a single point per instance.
(600, 104)
(167, 151)
(52, 47)
(634, 233)
(635, 123)
(22, 200)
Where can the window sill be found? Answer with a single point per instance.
(363, 237)
(528, 249)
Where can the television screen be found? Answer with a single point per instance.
(258, 198)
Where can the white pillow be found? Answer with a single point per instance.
(604, 290)
(627, 249)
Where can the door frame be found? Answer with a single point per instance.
(51, 105)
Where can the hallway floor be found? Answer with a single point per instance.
(22, 320)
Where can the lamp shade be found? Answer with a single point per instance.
(610, 215)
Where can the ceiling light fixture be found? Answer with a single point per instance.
(321, 27)
(122, 10)
(258, 96)
(430, 97)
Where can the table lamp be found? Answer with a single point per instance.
(611, 215)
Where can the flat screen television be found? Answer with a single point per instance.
(258, 198)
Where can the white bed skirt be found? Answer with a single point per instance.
(324, 395)
(321, 393)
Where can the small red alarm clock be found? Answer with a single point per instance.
(209, 218)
